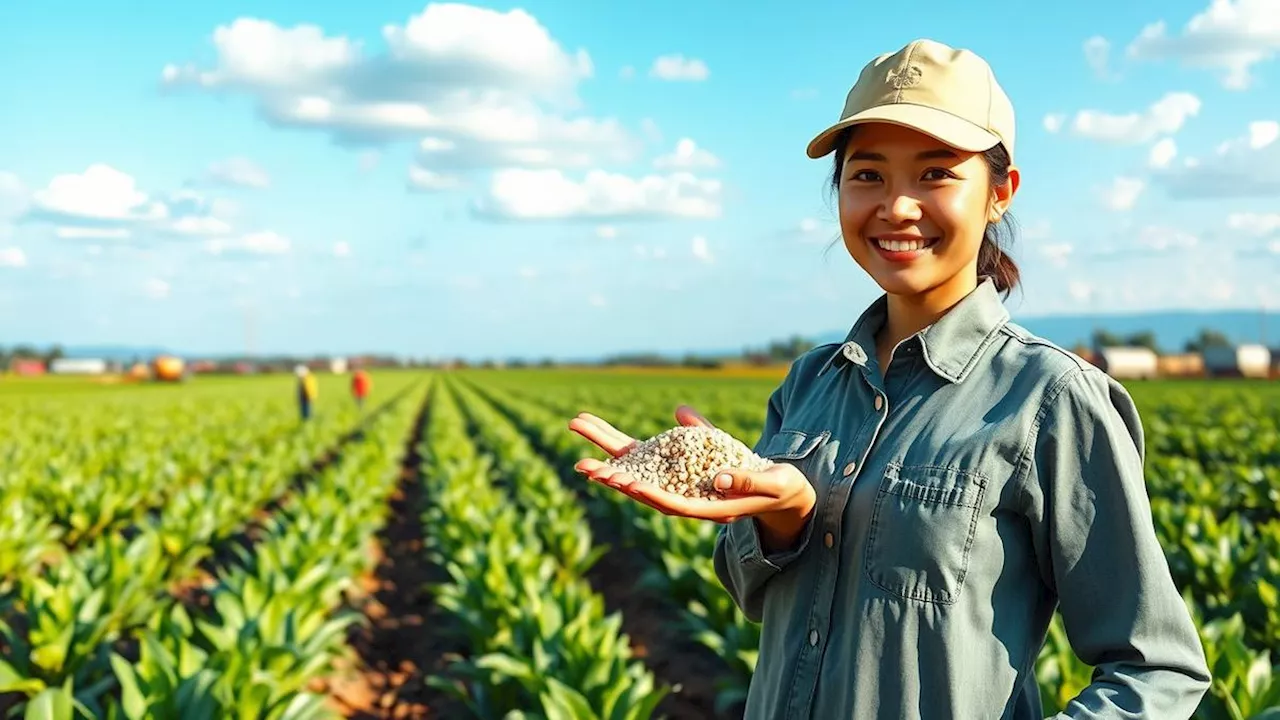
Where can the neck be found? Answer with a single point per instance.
(909, 314)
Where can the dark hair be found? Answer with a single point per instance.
(992, 259)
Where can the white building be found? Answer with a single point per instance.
(78, 366)
(1238, 361)
(1129, 363)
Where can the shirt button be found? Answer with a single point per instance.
(813, 637)
(879, 402)
(828, 539)
(848, 469)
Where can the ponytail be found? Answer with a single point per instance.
(993, 262)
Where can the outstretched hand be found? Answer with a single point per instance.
(778, 489)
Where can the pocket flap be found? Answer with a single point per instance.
(791, 444)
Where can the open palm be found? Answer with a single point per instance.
(751, 492)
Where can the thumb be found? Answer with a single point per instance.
(687, 416)
(737, 481)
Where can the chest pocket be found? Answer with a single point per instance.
(798, 448)
(922, 530)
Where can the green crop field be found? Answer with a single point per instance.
(195, 551)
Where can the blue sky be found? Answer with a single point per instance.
(578, 178)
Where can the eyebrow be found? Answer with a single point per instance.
(877, 157)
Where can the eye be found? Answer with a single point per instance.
(938, 174)
(864, 176)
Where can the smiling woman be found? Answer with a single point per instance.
(942, 481)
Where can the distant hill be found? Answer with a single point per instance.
(1172, 328)
(119, 353)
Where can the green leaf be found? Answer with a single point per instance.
(12, 681)
(51, 704)
(135, 705)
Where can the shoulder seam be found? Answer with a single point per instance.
(1022, 472)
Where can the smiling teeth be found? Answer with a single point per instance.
(902, 245)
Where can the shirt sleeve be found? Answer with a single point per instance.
(1096, 544)
(740, 561)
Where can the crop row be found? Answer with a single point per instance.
(63, 627)
(516, 552)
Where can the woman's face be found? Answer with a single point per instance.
(913, 210)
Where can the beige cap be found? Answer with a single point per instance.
(944, 92)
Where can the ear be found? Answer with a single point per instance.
(1002, 195)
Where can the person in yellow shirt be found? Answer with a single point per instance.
(307, 390)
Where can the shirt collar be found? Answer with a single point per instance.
(950, 346)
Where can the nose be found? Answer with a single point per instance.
(898, 208)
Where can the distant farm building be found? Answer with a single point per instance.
(79, 366)
(27, 368)
(1129, 363)
(1181, 365)
(1253, 361)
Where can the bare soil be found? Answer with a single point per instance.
(396, 649)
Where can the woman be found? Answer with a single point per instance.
(944, 479)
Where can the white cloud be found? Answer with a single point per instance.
(1227, 36)
(1079, 290)
(265, 242)
(341, 249)
(678, 67)
(1122, 194)
(1258, 224)
(1053, 122)
(495, 84)
(528, 273)
(596, 300)
(1245, 166)
(14, 197)
(1161, 238)
(1057, 253)
(1162, 153)
(700, 249)
(12, 257)
(804, 93)
(101, 195)
(104, 202)
(238, 172)
(1096, 50)
(606, 231)
(549, 194)
(428, 181)
(1164, 117)
(1263, 133)
(156, 289)
(502, 138)
(686, 156)
(90, 233)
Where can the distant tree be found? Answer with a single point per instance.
(1207, 338)
(1146, 339)
(1105, 338)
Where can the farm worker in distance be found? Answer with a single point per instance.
(307, 390)
(943, 479)
(360, 385)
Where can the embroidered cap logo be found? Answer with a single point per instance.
(908, 77)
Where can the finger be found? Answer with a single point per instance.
(609, 438)
(700, 508)
(736, 482)
(687, 416)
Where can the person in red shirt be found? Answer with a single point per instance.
(360, 386)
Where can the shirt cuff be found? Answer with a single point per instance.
(748, 546)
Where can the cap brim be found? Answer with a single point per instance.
(942, 126)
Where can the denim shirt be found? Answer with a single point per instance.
(988, 477)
